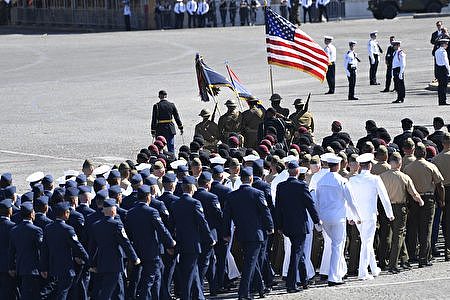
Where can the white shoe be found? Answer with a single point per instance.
(367, 277)
(377, 272)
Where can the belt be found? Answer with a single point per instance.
(164, 121)
(427, 194)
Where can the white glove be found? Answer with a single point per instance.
(318, 227)
(400, 76)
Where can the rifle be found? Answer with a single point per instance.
(307, 102)
(214, 113)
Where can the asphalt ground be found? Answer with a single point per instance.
(67, 97)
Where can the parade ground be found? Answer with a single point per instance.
(68, 97)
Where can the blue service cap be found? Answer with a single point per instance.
(114, 191)
(150, 181)
(109, 202)
(48, 179)
(293, 165)
(143, 191)
(60, 207)
(26, 207)
(9, 191)
(188, 180)
(259, 163)
(136, 179)
(102, 194)
(72, 192)
(100, 181)
(6, 178)
(84, 189)
(81, 179)
(182, 169)
(205, 176)
(41, 201)
(218, 169)
(114, 174)
(145, 173)
(6, 203)
(71, 184)
(27, 197)
(38, 188)
(169, 177)
(247, 172)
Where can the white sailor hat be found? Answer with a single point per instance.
(142, 166)
(333, 159)
(352, 42)
(394, 42)
(36, 176)
(71, 173)
(365, 158)
(101, 170)
(250, 157)
(181, 162)
(328, 37)
(218, 160)
(374, 32)
(61, 180)
(289, 158)
(325, 156)
(303, 170)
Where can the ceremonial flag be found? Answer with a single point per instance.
(242, 92)
(290, 47)
(209, 80)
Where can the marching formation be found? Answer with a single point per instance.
(250, 197)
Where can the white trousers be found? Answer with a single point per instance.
(367, 255)
(233, 271)
(336, 234)
(310, 272)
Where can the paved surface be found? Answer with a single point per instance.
(65, 98)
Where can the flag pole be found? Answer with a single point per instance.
(271, 79)
(232, 82)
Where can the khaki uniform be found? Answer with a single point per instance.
(210, 132)
(425, 176)
(228, 123)
(398, 185)
(406, 160)
(380, 167)
(302, 118)
(442, 161)
(251, 118)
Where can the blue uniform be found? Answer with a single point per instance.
(248, 209)
(41, 220)
(7, 283)
(85, 210)
(214, 217)
(107, 237)
(169, 261)
(293, 201)
(191, 229)
(59, 248)
(23, 256)
(147, 231)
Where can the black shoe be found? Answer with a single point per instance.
(375, 83)
(262, 295)
(305, 285)
(405, 266)
(394, 270)
(331, 283)
(425, 264)
(267, 290)
(385, 91)
(290, 291)
(397, 101)
(329, 92)
(353, 98)
(444, 103)
(447, 258)
(323, 277)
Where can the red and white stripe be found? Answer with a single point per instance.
(303, 54)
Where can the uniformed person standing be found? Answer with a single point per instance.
(230, 121)
(247, 208)
(442, 70)
(398, 71)
(350, 65)
(179, 10)
(207, 129)
(24, 251)
(164, 115)
(442, 161)
(374, 51)
(428, 181)
(388, 60)
(302, 117)
(275, 101)
(61, 249)
(398, 185)
(251, 118)
(330, 50)
(8, 289)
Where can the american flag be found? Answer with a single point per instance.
(290, 47)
